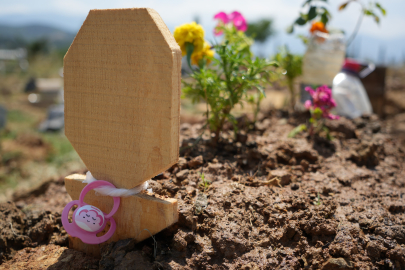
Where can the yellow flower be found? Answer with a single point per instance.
(196, 57)
(191, 33)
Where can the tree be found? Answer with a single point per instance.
(37, 47)
(261, 30)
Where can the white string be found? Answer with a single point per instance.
(116, 192)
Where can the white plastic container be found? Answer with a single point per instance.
(350, 96)
(323, 59)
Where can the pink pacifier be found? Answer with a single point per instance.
(88, 220)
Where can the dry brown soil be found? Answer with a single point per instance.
(268, 202)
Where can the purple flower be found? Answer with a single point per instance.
(236, 18)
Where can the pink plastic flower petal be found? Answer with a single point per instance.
(308, 104)
(240, 24)
(322, 98)
(235, 17)
(333, 117)
(310, 90)
(222, 16)
(238, 20)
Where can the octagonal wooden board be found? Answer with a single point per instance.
(122, 95)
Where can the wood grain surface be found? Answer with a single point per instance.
(122, 95)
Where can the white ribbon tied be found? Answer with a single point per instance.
(116, 192)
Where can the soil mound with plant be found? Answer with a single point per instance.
(262, 201)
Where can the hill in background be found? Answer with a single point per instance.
(18, 36)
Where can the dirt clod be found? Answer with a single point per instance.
(337, 263)
(196, 162)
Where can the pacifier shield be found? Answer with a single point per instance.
(89, 218)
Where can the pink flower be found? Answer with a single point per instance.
(333, 117)
(238, 20)
(310, 90)
(235, 18)
(308, 104)
(322, 99)
(222, 16)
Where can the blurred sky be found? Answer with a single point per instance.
(387, 38)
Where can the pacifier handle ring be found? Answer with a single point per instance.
(97, 184)
(65, 212)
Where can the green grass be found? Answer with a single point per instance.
(61, 147)
(17, 116)
(6, 157)
(8, 134)
(18, 170)
(10, 180)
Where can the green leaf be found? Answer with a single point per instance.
(261, 90)
(383, 11)
(189, 51)
(304, 39)
(343, 6)
(274, 64)
(326, 12)
(312, 13)
(306, 2)
(202, 63)
(297, 130)
(290, 29)
(324, 18)
(317, 112)
(368, 12)
(301, 21)
(329, 137)
(376, 19)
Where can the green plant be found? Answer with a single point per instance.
(298, 129)
(369, 10)
(317, 123)
(315, 9)
(317, 200)
(254, 100)
(320, 105)
(230, 80)
(292, 68)
(205, 183)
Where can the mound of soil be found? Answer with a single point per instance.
(20, 229)
(267, 202)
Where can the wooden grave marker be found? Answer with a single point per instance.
(122, 106)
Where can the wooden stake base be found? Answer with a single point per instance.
(136, 213)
